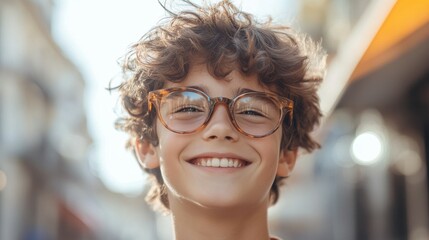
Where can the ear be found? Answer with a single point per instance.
(146, 154)
(286, 162)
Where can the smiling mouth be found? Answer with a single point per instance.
(219, 162)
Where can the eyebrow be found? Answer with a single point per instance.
(244, 90)
(237, 92)
(201, 88)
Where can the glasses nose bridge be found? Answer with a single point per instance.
(221, 100)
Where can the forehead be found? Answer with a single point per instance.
(198, 75)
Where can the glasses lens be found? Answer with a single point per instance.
(257, 115)
(184, 111)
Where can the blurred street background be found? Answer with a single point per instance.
(64, 171)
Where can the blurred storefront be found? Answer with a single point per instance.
(388, 99)
(369, 180)
(375, 143)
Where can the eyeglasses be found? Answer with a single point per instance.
(187, 110)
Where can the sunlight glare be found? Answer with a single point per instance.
(367, 148)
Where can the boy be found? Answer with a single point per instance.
(218, 105)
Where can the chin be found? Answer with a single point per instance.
(224, 201)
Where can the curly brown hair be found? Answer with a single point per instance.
(227, 39)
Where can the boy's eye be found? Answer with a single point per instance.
(250, 112)
(187, 109)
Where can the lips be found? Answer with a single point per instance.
(222, 162)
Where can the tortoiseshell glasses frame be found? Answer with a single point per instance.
(282, 107)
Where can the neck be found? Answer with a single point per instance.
(194, 222)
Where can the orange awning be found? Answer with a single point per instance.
(405, 26)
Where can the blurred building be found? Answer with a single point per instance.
(47, 189)
(43, 134)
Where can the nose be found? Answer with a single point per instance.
(220, 126)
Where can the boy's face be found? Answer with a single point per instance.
(180, 156)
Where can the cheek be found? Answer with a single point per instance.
(269, 150)
(270, 146)
(170, 146)
(167, 153)
(166, 138)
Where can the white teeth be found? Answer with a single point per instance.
(219, 162)
(235, 163)
(215, 162)
(224, 162)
